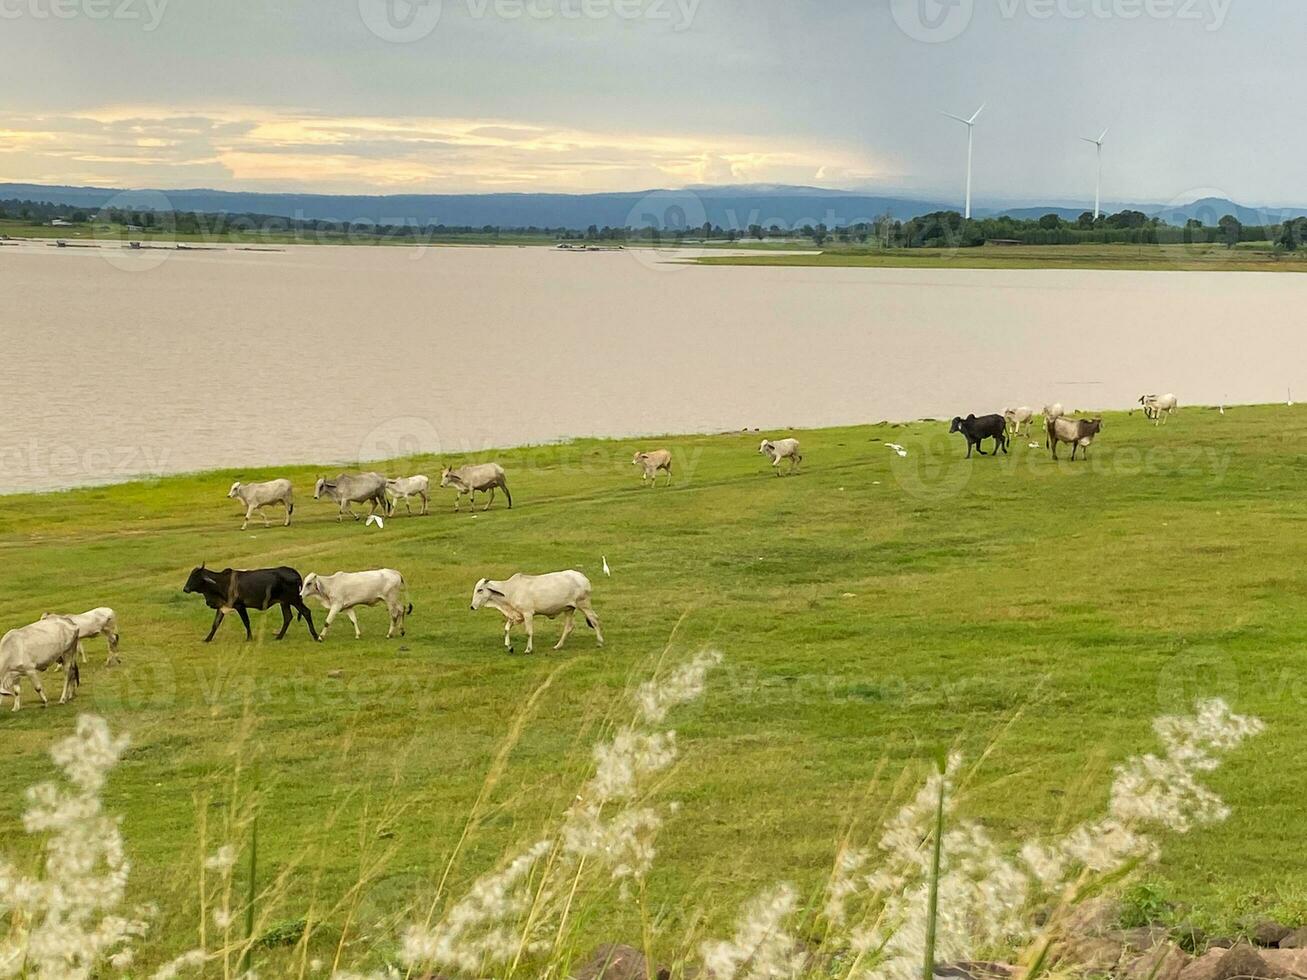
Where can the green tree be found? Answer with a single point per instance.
(1231, 230)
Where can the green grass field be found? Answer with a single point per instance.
(1249, 257)
(872, 609)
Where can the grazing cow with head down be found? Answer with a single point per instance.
(239, 591)
(256, 496)
(524, 597)
(29, 650)
(976, 430)
(471, 480)
(346, 591)
(779, 450)
(357, 488)
(96, 622)
(652, 463)
(1079, 432)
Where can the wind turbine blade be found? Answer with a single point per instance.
(977, 114)
(1104, 136)
(1089, 139)
(965, 122)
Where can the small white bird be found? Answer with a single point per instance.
(1033, 445)
(607, 571)
(897, 448)
(374, 519)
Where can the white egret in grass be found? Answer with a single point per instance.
(897, 448)
(374, 519)
(607, 571)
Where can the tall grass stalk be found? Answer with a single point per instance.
(251, 898)
(932, 901)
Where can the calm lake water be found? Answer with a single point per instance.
(117, 363)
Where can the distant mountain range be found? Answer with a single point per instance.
(730, 207)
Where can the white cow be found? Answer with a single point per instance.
(28, 650)
(1052, 413)
(95, 622)
(256, 496)
(524, 597)
(410, 486)
(782, 449)
(1017, 418)
(469, 480)
(1156, 405)
(651, 463)
(345, 591)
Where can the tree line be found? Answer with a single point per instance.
(939, 229)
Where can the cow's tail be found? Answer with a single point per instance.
(503, 485)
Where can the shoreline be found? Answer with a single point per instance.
(236, 470)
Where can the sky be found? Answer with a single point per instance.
(436, 96)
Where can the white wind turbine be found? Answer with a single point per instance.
(1098, 187)
(971, 133)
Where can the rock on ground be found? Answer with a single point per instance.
(618, 962)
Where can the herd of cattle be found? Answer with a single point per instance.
(55, 640)
(1059, 428)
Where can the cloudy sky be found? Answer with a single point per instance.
(390, 96)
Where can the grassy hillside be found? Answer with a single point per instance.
(872, 609)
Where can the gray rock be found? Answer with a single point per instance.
(1204, 967)
(1286, 962)
(1164, 962)
(1141, 939)
(1295, 940)
(1242, 962)
(1090, 954)
(1268, 933)
(967, 970)
(615, 962)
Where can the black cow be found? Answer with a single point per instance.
(236, 591)
(978, 429)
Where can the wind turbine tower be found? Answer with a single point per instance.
(971, 134)
(1098, 187)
